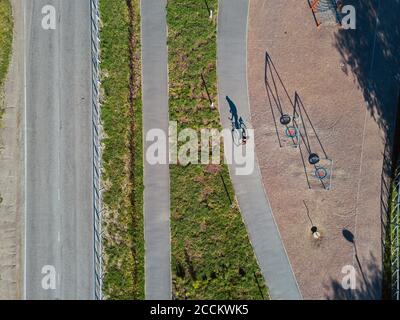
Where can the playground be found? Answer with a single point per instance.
(323, 102)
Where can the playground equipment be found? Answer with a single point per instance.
(280, 104)
(293, 127)
(318, 171)
(325, 12)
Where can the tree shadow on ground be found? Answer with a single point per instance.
(368, 284)
(371, 53)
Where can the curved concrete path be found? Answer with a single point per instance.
(254, 205)
(156, 177)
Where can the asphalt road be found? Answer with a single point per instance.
(58, 152)
(254, 204)
(156, 176)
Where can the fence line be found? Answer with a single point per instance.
(394, 229)
(394, 232)
(96, 125)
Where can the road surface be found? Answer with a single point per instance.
(58, 153)
(253, 202)
(156, 177)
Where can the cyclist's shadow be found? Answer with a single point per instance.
(234, 115)
(239, 134)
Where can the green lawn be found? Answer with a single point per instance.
(6, 30)
(211, 254)
(122, 156)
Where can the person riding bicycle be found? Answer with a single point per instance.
(243, 127)
(244, 137)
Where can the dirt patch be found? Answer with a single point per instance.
(11, 170)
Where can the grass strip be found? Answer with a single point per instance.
(6, 29)
(211, 254)
(123, 242)
(6, 36)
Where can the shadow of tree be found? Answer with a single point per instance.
(372, 52)
(368, 284)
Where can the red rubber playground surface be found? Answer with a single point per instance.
(345, 80)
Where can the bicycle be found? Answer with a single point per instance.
(239, 132)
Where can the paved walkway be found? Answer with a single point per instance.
(156, 177)
(254, 205)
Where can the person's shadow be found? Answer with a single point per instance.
(234, 114)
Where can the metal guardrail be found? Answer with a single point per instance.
(395, 236)
(96, 124)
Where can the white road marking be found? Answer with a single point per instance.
(25, 149)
